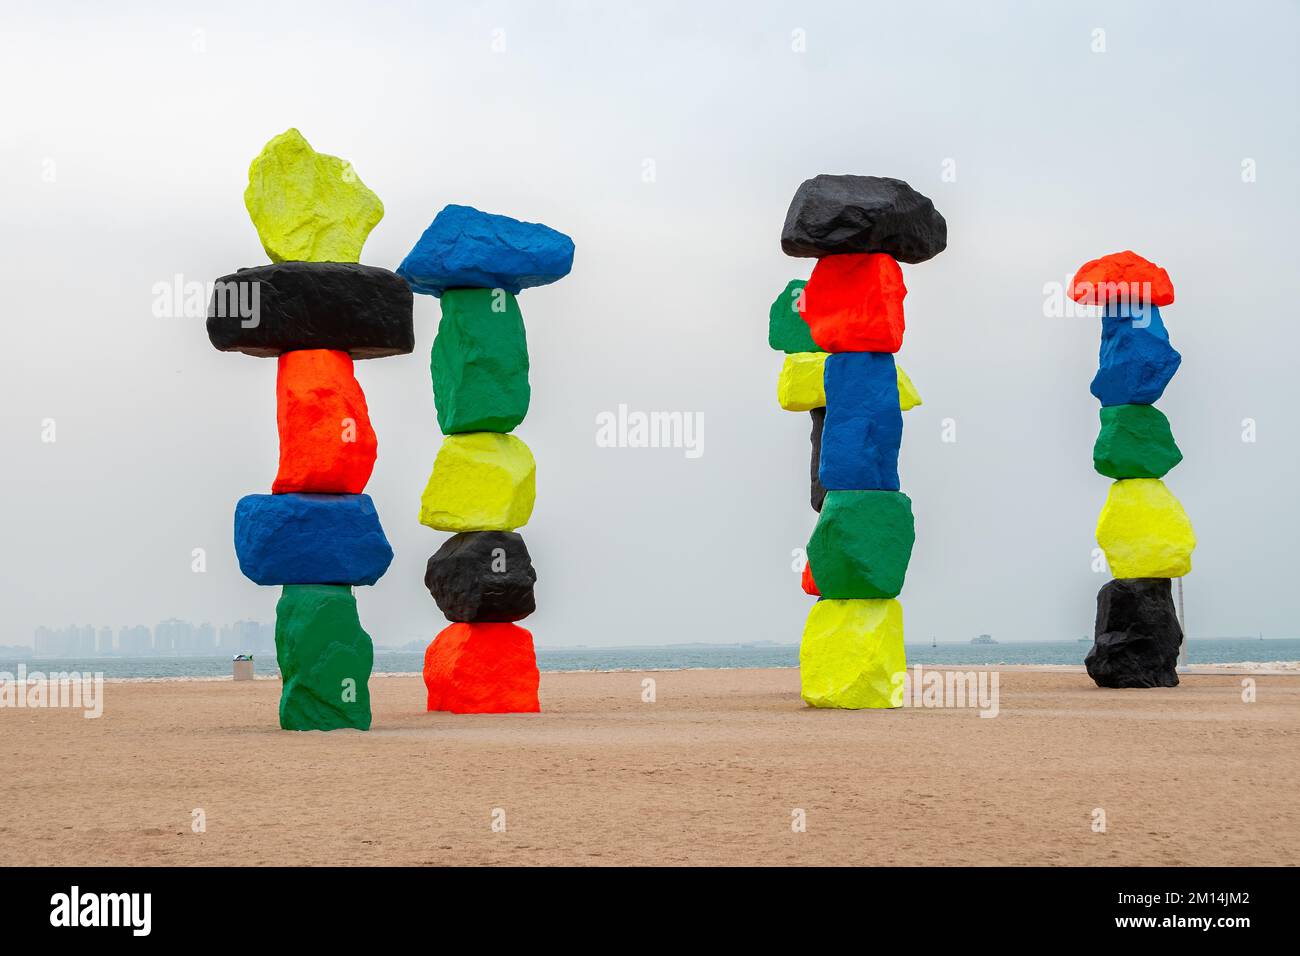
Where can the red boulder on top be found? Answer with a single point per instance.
(854, 303)
(482, 669)
(326, 443)
(1122, 277)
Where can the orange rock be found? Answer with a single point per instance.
(1122, 276)
(482, 669)
(326, 442)
(854, 303)
(807, 582)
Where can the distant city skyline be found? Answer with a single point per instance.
(172, 637)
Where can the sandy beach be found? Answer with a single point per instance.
(712, 772)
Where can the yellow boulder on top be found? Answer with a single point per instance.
(801, 386)
(307, 206)
(908, 396)
(850, 654)
(481, 481)
(1144, 531)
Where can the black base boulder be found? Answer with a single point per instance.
(818, 423)
(1137, 636)
(482, 576)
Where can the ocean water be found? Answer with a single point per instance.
(1210, 651)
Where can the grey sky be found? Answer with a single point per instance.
(146, 124)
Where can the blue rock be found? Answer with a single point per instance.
(1136, 361)
(864, 425)
(465, 248)
(310, 539)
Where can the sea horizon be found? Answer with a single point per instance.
(687, 655)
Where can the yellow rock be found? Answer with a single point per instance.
(1144, 531)
(308, 206)
(908, 396)
(800, 387)
(850, 654)
(481, 481)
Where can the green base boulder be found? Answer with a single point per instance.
(480, 362)
(325, 658)
(862, 544)
(1134, 442)
(786, 330)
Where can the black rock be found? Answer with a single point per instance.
(819, 422)
(832, 215)
(1138, 635)
(482, 576)
(362, 310)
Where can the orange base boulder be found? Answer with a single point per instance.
(482, 669)
(327, 445)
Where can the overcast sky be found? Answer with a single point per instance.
(125, 148)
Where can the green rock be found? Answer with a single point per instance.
(786, 330)
(862, 544)
(325, 658)
(308, 206)
(480, 362)
(1134, 442)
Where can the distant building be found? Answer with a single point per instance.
(172, 636)
(104, 643)
(135, 641)
(253, 637)
(72, 641)
(205, 640)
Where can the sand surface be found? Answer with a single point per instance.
(709, 773)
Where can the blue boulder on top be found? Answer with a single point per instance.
(467, 249)
(864, 425)
(1136, 361)
(310, 539)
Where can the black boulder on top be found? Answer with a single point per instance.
(818, 423)
(345, 306)
(1138, 635)
(833, 215)
(482, 576)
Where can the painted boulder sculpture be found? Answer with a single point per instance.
(840, 331)
(316, 310)
(483, 482)
(1143, 530)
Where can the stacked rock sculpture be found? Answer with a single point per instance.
(315, 309)
(1143, 530)
(482, 485)
(840, 330)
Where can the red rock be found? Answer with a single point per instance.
(1122, 274)
(809, 585)
(854, 303)
(482, 669)
(326, 442)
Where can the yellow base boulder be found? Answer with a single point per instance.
(481, 481)
(1144, 531)
(851, 653)
(800, 386)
